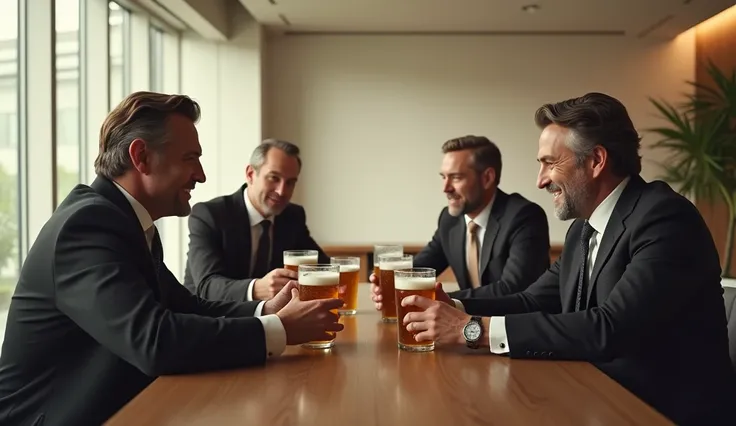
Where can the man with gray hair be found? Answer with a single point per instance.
(236, 242)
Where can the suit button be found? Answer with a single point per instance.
(528, 353)
(536, 353)
(544, 353)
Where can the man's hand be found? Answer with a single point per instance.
(268, 287)
(281, 299)
(311, 320)
(375, 292)
(440, 294)
(439, 322)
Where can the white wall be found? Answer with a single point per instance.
(371, 112)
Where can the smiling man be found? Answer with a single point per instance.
(236, 242)
(637, 289)
(97, 316)
(496, 243)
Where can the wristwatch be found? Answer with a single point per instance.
(472, 332)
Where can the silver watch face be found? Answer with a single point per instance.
(472, 331)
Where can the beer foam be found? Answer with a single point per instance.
(319, 278)
(300, 260)
(349, 268)
(413, 283)
(396, 264)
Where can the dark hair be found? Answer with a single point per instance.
(141, 115)
(485, 153)
(259, 154)
(596, 119)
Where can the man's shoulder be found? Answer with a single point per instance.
(515, 204)
(222, 204)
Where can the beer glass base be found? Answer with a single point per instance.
(348, 312)
(389, 320)
(319, 345)
(416, 348)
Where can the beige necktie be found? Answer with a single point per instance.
(473, 254)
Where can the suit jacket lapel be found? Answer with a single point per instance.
(499, 206)
(614, 229)
(457, 251)
(241, 226)
(107, 189)
(570, 269)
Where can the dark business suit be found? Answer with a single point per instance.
(92, 323)
(515, 248)
(219, 257)
(655, 321)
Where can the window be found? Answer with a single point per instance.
(119, 48)
(9, 159)
(68, 143)
(157, 59)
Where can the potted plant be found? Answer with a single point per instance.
(701, 138)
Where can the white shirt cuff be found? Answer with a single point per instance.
(249, 292)
(459, 305)
(498, 340)
(274, 331)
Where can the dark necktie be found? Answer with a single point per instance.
(261, 268)
(583, 275)
(157, 252)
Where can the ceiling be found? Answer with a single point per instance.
(635, 18)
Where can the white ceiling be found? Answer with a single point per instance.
(636, 18)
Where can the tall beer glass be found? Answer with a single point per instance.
(349, 274)
(319, 282)
(384, 250)
(389, 263)
(413, 281)
(294, 258)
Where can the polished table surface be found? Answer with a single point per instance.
(366, 380)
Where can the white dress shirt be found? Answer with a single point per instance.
(272, 326)
(255, 219)
(498, 339)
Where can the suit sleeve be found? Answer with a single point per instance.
(665, 272)
(307, 242)
(100, 286)
(542, 295)
(528, 256)
(432, 255)
(205, 260)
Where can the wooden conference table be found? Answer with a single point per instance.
(366, 380)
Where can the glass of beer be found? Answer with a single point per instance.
(412, 281)
(383, 250)
(319, 282)
(294, 258)
(349, 274)
(389, 263)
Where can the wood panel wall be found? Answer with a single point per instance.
(365, 253)
(716, 42)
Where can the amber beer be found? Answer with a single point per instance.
(384, 250)
(414, 281)
(294, 258)
(349, 274)
(319, 282)
(388, 265)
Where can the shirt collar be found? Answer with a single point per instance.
(141, 213)
(254, 216)
(599, 219)
(482, 218)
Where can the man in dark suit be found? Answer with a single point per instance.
(496, 243)
(637, 288)
(236, 242)
(96, 315)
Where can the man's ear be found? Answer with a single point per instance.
(599, 158)
(250, 173)
(488, 177)
(140, 156)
